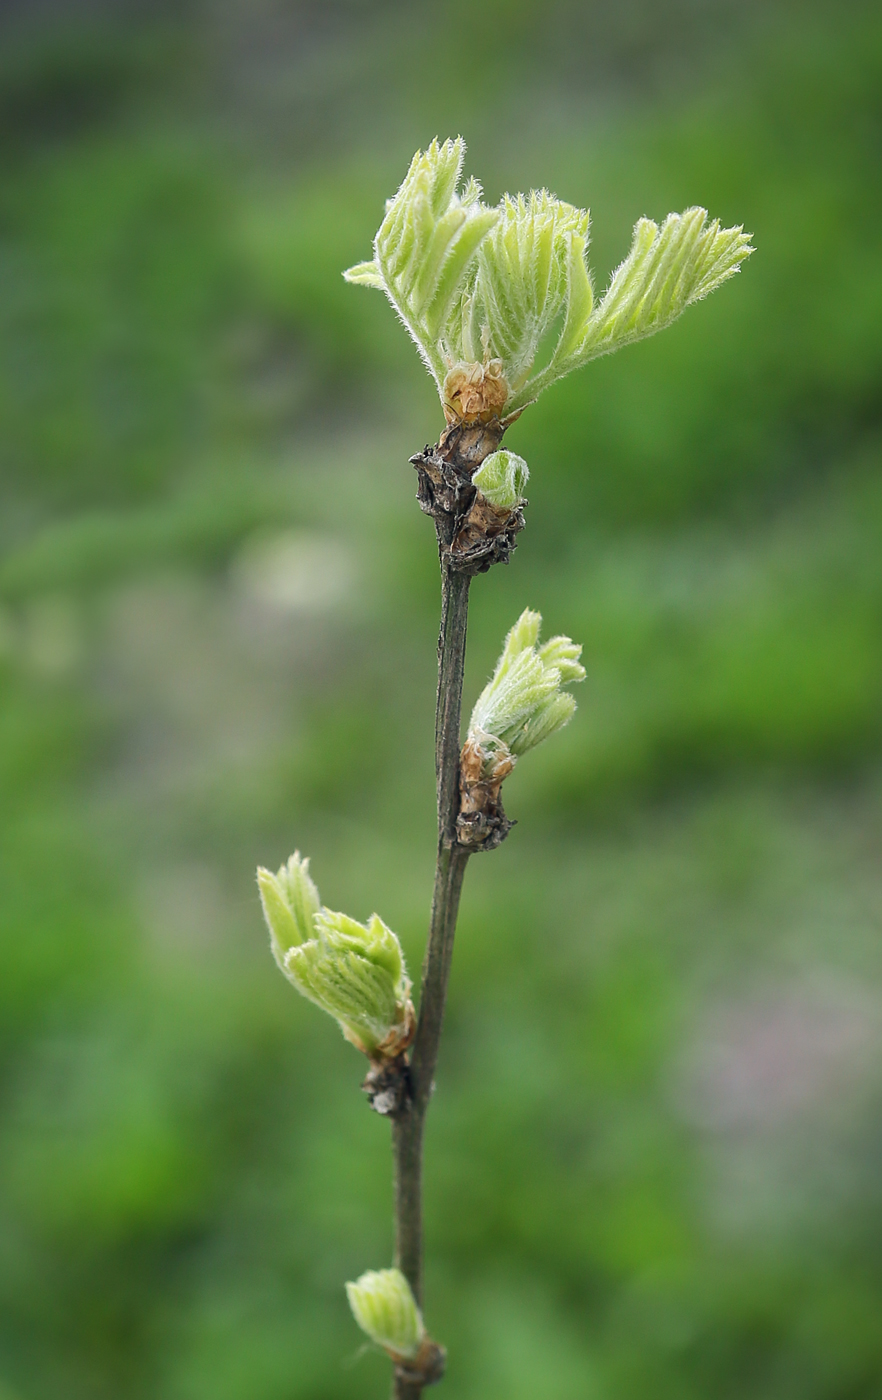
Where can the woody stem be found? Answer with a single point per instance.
(407, 1128)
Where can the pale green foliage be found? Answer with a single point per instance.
(290, 904)
(523, 703)
(384, 1307)
(502, 478)
(353, 971)
(666, 270)
(425, 244)
(521, 277)
(472, 283)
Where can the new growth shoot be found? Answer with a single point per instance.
(482, 289)
(500, 303)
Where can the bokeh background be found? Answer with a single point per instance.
(655, 1158)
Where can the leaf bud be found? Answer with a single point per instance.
(514, 283)
(384, 1307)
(501, 479)
(353, 971)
(523, 702)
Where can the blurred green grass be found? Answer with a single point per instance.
(653, 1162)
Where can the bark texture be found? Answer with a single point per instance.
(472, 536)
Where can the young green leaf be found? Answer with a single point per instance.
(523, 702)
(425, 244)
(353, 971)
(290, 905)
(521, 280)
(484, 292)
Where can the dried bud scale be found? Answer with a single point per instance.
(475, 392)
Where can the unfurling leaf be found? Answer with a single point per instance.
(490, 294)
(353, 971)
(290, 904)
(425, 244)
(523, 702)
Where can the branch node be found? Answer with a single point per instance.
(479, 831)
(426, 1368)
(387, 1085)
(482, 824)
(486, 536)
(473, 534)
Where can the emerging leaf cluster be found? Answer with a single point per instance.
(353, 971)
(524, 702)
(384, 1307)
(511, 284)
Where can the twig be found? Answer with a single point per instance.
(532, 274)
(447, 495)
(407, 1129)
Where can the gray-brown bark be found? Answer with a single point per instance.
(470, 539)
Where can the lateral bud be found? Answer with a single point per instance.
(501, 479)
(523, 703)
(496, 515)
(355, 972)
(475, 529)
(384, 1307)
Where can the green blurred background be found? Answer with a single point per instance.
(655, 1159)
